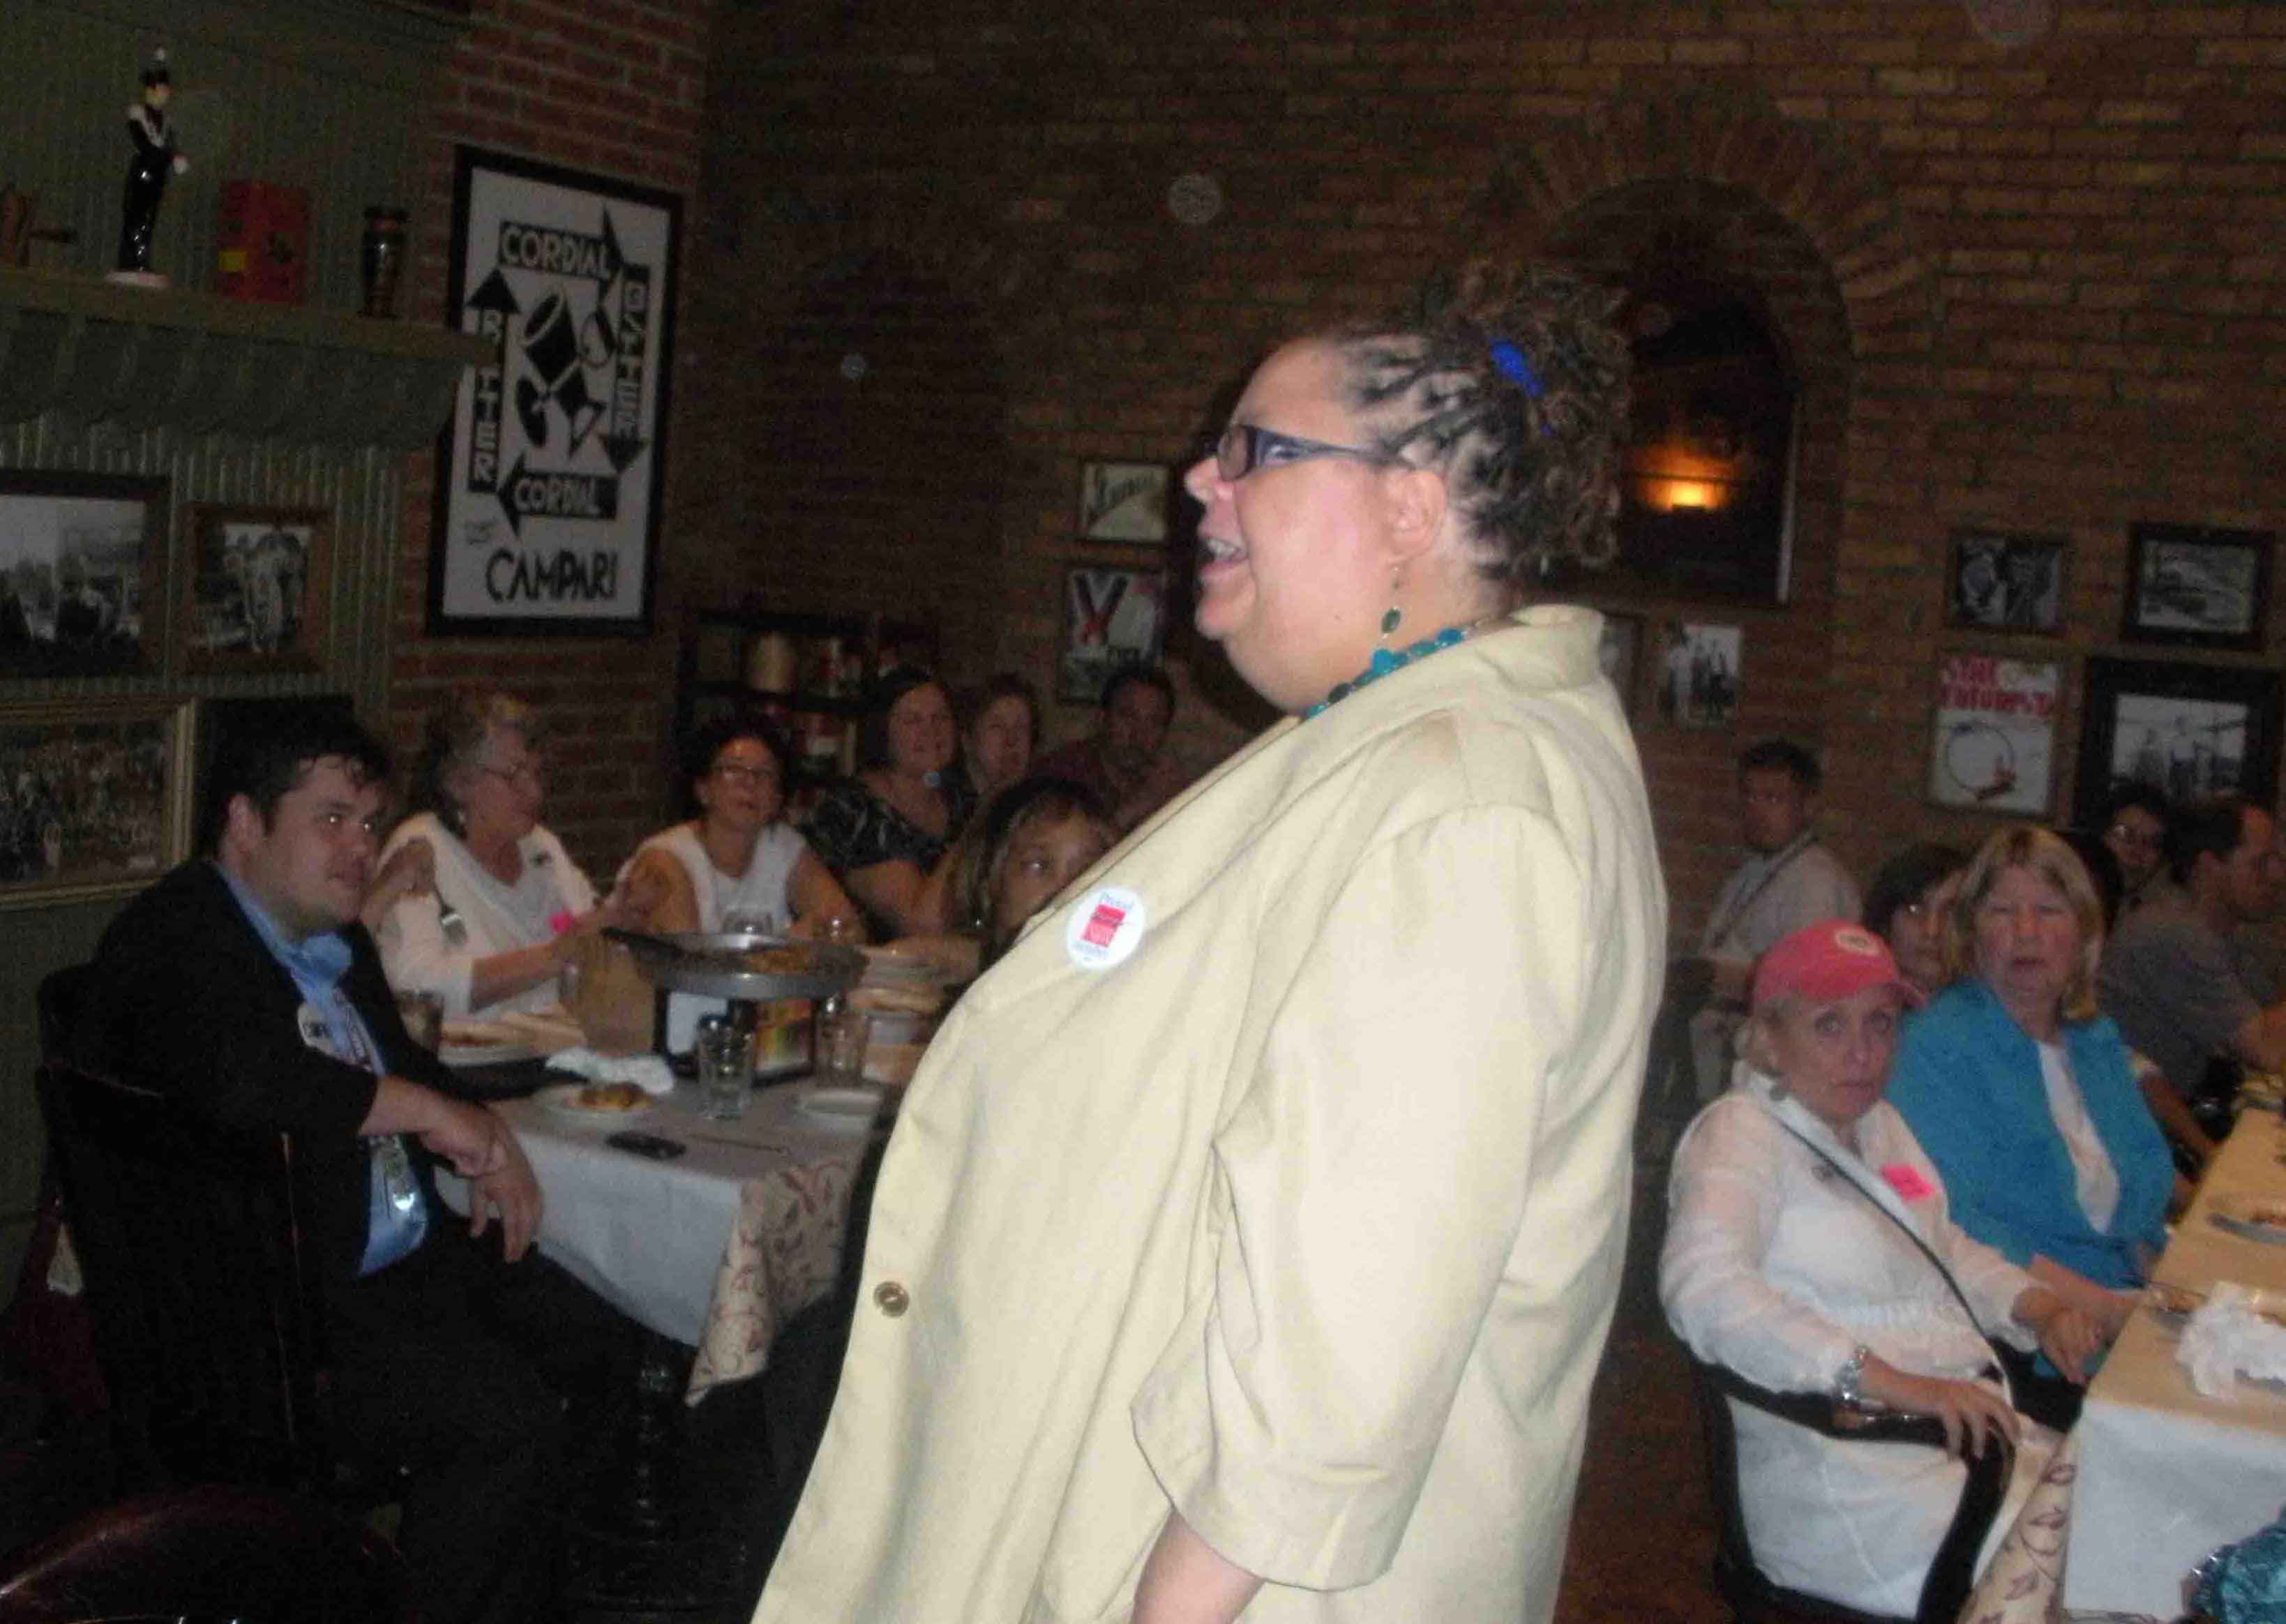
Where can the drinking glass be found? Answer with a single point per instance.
(724, 1059)
(842, 1036)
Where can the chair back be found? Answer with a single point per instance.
(1752, 1594)
(203, 1294)
(207, 1553)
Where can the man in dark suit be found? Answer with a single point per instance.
(243, 984)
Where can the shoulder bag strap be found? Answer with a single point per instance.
(1737, 910)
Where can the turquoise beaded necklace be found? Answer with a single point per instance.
(1387, 660)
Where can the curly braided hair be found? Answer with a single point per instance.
(1511, 383)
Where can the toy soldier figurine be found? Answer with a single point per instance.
(156, 158)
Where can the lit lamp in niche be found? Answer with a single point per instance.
(1705, 476)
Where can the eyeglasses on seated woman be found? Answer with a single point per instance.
(1813, 1246)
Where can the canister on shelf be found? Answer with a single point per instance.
(770, 663)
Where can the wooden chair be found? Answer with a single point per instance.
(207, 1553)
(1753, 1597)
(204, 1297)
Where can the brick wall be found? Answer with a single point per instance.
(614, 87)
(2036, 287)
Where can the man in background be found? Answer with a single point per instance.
(1123, 763)
(1787, 881)
(2178, 981)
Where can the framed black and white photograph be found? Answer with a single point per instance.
(255, 588)
(94, 797)
(553, 467)
(1124, 502)
(83, 563)
(2192, 585)
(2005, 581)
(1619, 651)
(1993, 736)
(1112, 618)
(1699, 675)
(2186, 730)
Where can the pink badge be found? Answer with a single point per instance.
(1906, 1181)
(562, 921)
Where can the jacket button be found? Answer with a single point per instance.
(892, 1298)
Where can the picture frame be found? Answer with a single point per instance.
(2189, 730)
(82, 573)
(1112, 618)
(1992, 734)
(95, 797)
(255, 587)
(1124, 501)
(2013, 581)
(551, 470)
(2198, 586)
(1620, 652)
(1699, 675)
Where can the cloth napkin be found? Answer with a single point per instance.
(647, 1072)
(2227, 1338)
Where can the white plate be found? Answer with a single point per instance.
(2256, 1218)
(486, 1054)
(845, 1106)
(563, 1100)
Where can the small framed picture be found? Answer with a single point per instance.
(1992, 744)
(83, 560)
(2186, 730)
(2187, 584)
(1124, 502)
(94, 797)
(2004, 581)
(1618, 653)
(255, 588)
(1699, 675)
(1112, 618)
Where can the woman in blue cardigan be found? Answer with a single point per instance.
(2021, 1092)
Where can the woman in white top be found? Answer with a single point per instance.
(1797, 1202)
(473, 899)
(737, 860)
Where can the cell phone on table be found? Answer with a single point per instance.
(646, 1145)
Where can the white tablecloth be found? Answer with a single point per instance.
(714, 1249)
(2166, 1476)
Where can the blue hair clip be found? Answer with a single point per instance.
(1516, 369)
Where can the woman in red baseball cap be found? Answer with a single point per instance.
(1809, 1249)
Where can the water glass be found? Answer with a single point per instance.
(725, 1059)
(843, 1036)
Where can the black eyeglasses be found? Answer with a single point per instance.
(1244, 447)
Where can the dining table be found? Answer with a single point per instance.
(714, 1246)
(2166, 1474)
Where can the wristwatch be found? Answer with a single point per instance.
(1848, 1383)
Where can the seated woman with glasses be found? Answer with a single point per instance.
(2134, 828)
(737, 864)
(473, 899)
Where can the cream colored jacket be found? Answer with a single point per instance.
(1299, 1207)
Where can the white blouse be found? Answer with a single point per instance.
(432, 943)
(2096, 1180)
(1778, 1267)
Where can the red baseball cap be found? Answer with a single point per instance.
(1828, 961)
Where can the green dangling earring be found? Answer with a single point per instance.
(1389, 622)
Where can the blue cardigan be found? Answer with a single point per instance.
(1967, 1082)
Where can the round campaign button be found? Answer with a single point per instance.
(1105, 926)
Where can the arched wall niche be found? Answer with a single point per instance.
(1807, 230)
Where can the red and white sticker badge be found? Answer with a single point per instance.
(1105, 926)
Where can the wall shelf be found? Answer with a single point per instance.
(95, 352)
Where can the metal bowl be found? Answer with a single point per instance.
(705, 964)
